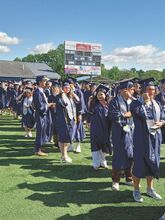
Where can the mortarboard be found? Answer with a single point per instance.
(65, 84)
(125, 84)
(85, 82)
(135, 80)
(103, 88)
(162, 81)
(71, 80)
(28, 89)
(41, 78)
(92, 84)
(28, 82)
(55, 84)
(149, 82)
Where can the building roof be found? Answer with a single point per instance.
(26, 70)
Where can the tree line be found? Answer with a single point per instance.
(55, 59)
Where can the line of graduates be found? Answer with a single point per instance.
(129, 126)
(126, 122)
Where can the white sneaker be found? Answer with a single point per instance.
(26, 135)
(115, 186)
(104, 166)
(129, 183)
(78, 149)
(70, 148)
(66, 160)
(95, 168)
(137, 196)
(152, 193)
(30, 134)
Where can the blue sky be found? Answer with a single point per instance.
(131, 32)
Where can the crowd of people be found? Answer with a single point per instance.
(125, 120)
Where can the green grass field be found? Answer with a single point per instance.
(34, 188)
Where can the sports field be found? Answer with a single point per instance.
(35, 188)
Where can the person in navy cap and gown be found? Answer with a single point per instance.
(3, 92)
(122, 134)
(80, 110)
(160, 98)
(55, 90)
(99, 127)
(41, 107)
(66, 119)
(28, 111)
(147, 139)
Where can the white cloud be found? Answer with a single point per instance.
(145, 55)
(4, 49)
(136, 51)
(5, 39)
(43, 48)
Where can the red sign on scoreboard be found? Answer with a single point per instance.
(83, 47)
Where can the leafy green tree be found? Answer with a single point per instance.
(17, 59)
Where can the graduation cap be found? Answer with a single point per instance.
(148, 82)
(41, 78)
(16, 84)
(28, 89)
(55, 84)
(71, 80)
(126, 84)
(28, 82)
(65, 84)
(102, 88)
(162, 81)
(135, 80)
(92, 84)
(85, 82)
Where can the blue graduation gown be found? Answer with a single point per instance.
(2, 98)
(9, 97)
(87, 94)
(41, 108)
(65, 127)
(146, 146)
(47, 92)
(15, 94)
(80, 109)
(160, 100)
(53, 98)
(120, 158)
(99, 128)
(28, 118)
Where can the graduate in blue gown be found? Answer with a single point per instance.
(80, 111)
(47, 90)
(99, 127)
(41, 106)
(66, 119)
(28, 112)
(147, 118)
(122, 134)
(9, 97)
(14, 100)
(160, 98)
(90, 89)
(55, 90)
(2, 97)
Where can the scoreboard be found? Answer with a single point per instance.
(82, 58)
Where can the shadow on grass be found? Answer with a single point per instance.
(79, 193)
(11, 129)
(118, 213)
